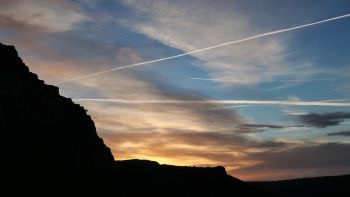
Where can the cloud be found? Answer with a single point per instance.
(49, 16)
(265, 127)
(127, 55)
(322, 120)
(313, 160)
(262, 126)
(340, 133)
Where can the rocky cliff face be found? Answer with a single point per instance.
(43, 134)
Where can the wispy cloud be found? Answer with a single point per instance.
(49, 16)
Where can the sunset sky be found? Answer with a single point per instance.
(61, 40)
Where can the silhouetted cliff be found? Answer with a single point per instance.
(43, 136)
(49, 143)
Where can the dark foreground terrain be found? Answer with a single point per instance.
(333, 186)
(49, 147)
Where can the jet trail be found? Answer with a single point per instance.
(209, 48)
(234, 102)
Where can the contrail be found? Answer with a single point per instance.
(236, 106)
(208, 48)
(240, 102)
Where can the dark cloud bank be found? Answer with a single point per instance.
(322, 120)
(340, 133)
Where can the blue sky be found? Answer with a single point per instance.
(61, 40)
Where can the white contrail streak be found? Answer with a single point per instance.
(234, 102)
(208, 48)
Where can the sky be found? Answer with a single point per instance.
(61, 40)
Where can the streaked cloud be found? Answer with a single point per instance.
(262, 126)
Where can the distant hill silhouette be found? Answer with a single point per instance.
(331, 186)
(179, 181)
(47, 142)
